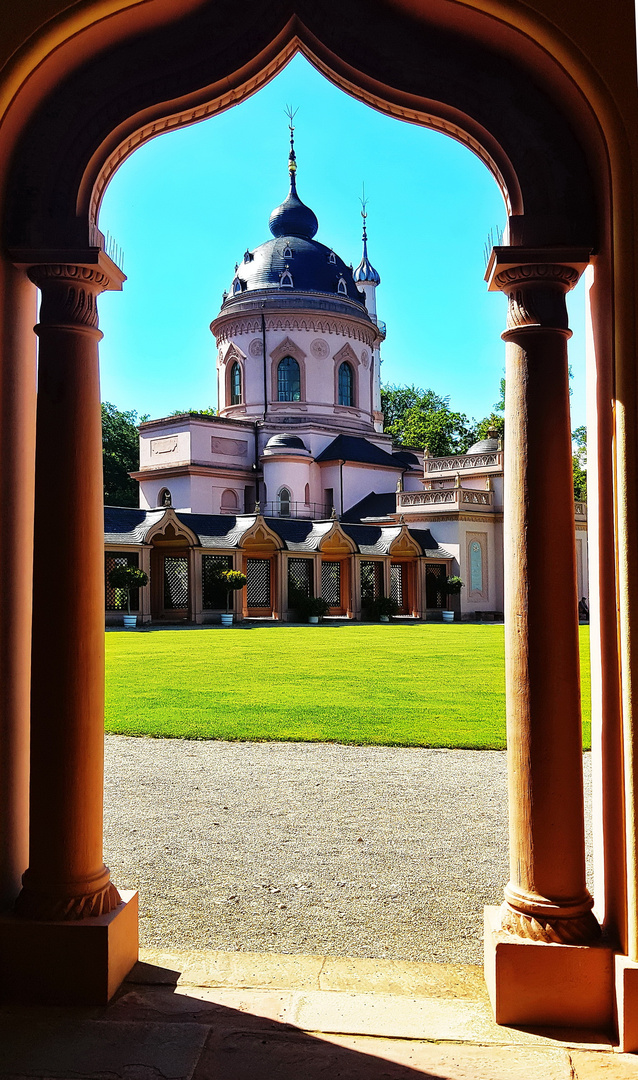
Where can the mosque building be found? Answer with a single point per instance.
(294, 482)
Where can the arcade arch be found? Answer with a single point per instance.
(555, 146)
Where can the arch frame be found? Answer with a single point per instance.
(595, 107)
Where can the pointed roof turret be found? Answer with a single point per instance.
(293, 218)
(365, 271)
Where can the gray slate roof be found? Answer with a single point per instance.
(123, 525)
(354, 448)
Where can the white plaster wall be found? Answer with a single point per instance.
(179, 487)
(168, 445)
(222, 444)
(287, 473)
(359, 481)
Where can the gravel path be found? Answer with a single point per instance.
(308, 848)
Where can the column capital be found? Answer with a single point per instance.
(70, 281)
(562, 267)
(535, 282)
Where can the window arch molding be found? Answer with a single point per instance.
(347, 355)
(233, 361)
(287, 347)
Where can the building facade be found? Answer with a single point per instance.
(294, 482)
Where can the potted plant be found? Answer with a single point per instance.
(383, 608)
(311, 608)
(453, 588)
(127, 578)
(231, 580)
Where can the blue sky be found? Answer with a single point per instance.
(186, 206)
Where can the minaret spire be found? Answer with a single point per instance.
(292, 158)
(365, 272)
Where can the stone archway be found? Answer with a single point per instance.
(480, 78)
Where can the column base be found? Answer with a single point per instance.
(68, 963)
(533, 984)
(627, 1004)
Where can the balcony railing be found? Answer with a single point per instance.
(454, 463)
(446, 498)
(315, 511)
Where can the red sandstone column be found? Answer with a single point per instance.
(546, 898)
(66, 877)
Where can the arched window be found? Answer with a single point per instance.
(341, 287)
(236, 285)
(346, 384)
(235, 384)
(287, 253)
(332, 257)
(229, 500)
(164, 498)
(306, 495)
(284, 502)
(288, 380)
(286, 279)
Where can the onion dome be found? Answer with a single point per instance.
(365, 270)
(293, 218)
(488, 445)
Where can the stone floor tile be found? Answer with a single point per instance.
(591, 1066)
(247, 1056)
(65, 1047)
(210, 968)
(403, 977)
(394, 1016)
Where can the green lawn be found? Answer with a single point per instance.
(397, 685)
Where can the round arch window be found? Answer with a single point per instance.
(288, 380)
(235, 384)
(284, 502)
(346, 384)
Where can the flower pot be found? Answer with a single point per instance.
(384, 618)
(130, 622)
(313, 618)
(448, 616)
(227, 620)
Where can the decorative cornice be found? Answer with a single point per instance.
(234, 326)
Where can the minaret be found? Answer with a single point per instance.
(367, 279)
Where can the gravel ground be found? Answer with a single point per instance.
(308, 847)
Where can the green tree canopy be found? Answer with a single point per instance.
(418, 417)
(579, 463)
(120, 455)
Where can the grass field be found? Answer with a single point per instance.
(397, 685)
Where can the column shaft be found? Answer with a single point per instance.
(546, 898)
(66, 878)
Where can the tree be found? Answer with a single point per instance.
(194, 412)
(421, 418)
(120, 455)
(579, 463)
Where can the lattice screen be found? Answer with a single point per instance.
(115, 599)
(213, 592)
(175, 582)
(435, 579)
(300, 576)
(258, 583)
(371, 581)
(331, 583)
(396, 583)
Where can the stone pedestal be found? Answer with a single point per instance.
(626, 978)
(81, 962)
(536, 984)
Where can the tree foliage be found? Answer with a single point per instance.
(120, 455)
(420, 418)
(579, 463)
